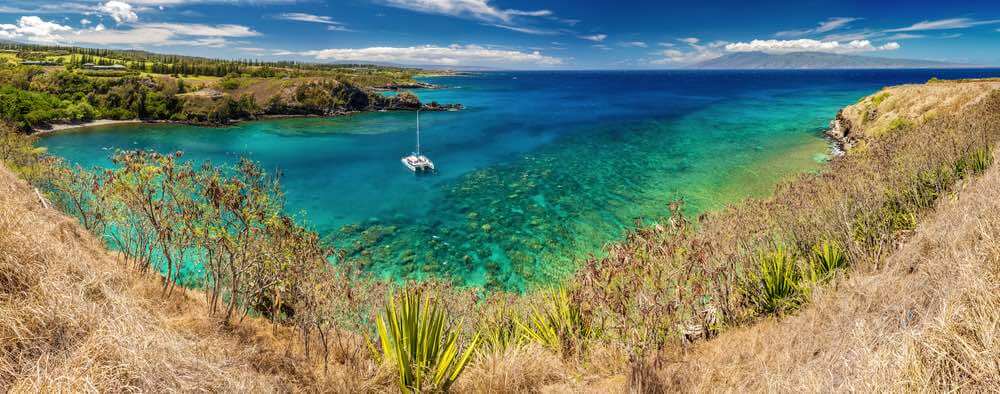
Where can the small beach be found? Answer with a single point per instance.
(94, 123)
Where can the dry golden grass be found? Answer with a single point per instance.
(915, 103)
(929, 321)
(73, 319)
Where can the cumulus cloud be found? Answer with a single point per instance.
(119, 11)
(453, 55)
(476, 9)
(595, 37)
(944, 24)
(807, 45)
(85, 22)
(33, 28)
(828, 25)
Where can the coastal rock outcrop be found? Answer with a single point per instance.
(840, 133)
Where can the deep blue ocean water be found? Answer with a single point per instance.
(540, 170)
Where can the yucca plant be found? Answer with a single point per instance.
(557, 324)
(499, 332)
(415, 338)
(777, 283)
(827, 257)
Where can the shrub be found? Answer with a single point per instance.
(414, 337)
(776, 283)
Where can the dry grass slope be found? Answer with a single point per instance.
(928, 321)
(74, 319)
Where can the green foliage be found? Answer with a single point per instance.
(775, 285)
(414, 337)
(898, 124)
(499, 332)
(879, 98)
(28, 109)
(976, 162)
(827, 257)
(557, 323)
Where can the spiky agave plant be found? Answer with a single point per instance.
(557, 324)
(777, 283)
(827, 257)
(499, 332)
(414, 336)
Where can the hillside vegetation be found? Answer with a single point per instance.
(878, 272)
(65, 88)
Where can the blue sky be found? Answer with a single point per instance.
(514, 34)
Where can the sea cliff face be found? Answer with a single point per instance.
(899, 107)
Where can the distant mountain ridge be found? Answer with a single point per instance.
(813, 60)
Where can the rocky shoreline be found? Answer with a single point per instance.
(840, 134)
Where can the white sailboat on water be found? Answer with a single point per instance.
(417, 162)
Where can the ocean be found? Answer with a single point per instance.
(541, 169)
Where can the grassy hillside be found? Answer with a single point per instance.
(879, 272)
(74, 320)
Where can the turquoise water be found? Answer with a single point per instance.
(541, 168)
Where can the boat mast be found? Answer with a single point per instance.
(418, 132)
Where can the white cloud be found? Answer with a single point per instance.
(119, 11)
(155, 34)
(197, 29)
(828, 25)
(892, 46)
(807, 45)
(904, 36)
(33, 28)
(595, 37)
(476, 9)
(303, 17)
(526, 30)
(453, 55)
(694, 53)
(674, 56)
(634, 44)
(85, 21)
(945, 24)
(332, 25)
(530, 13)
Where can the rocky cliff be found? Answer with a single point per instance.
(898, 107)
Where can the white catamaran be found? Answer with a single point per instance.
(417, 162)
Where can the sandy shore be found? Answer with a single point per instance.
(67, 126)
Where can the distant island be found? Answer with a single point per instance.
(813, 60)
